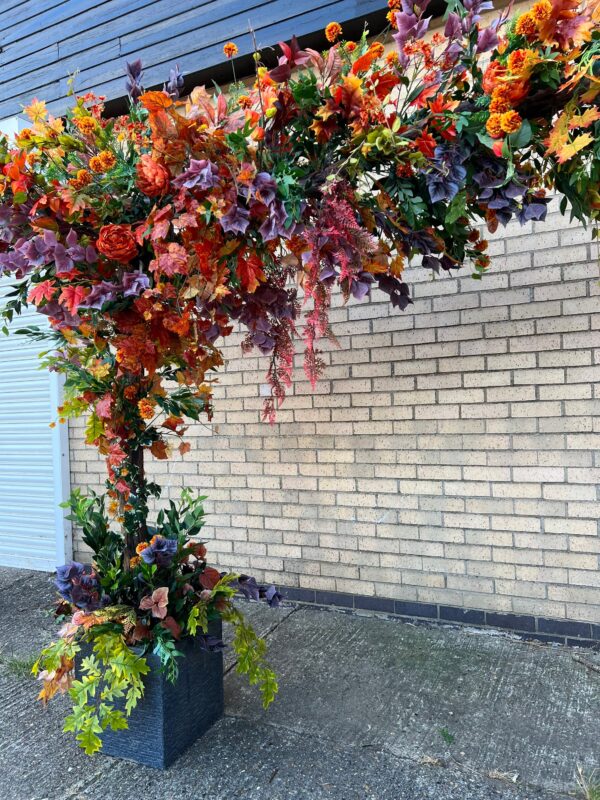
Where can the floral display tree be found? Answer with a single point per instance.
(146, 239)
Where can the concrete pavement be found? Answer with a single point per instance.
(369, 709)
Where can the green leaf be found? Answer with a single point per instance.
(89, 740)
(456, 208)
(522, 137)
(93, 429)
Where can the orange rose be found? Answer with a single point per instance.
(492, 76)
(117, 242)
(152, 177)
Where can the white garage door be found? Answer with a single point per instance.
(33, 457)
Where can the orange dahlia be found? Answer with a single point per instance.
(333, 31)
(230, 49)
(494, 126)
(510, 121)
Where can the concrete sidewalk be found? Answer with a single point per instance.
(369, 709)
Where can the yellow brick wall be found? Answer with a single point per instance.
(450, 453)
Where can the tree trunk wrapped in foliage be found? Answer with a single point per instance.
(145, 239)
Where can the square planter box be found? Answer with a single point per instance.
(170, 717)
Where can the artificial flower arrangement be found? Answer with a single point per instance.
(146, 238)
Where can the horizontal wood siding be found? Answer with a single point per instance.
(44, 42)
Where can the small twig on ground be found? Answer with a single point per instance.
(588, 664)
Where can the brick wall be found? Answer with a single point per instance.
(449, 455)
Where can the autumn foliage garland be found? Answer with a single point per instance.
(147, 238)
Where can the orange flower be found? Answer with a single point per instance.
(130, 392)
(510, 121)
(141, 547)
(526, 25)
(520, 61)
(333, 31)
(96, 164)
(377, 49)
(395, 5)
(499, 102)
(494, 126)
(392, 58)
(83, 178)
(230, 49)
(350, 47)
(134, 561)
(492, 76)
(152, 176)
(86, 125)
(542, 10)
(244, 101)
(146, 408)
(117, 242)
(107, 159)
(391, 18)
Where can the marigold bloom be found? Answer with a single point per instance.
(107, 159)
(519, 60)
(96, 164)
(510, 121)
(526, 25)
(86, 125)
(542, 10)
(391, 18)
(146, 408)
(244, 101)
(395, 5)
(377, 49)
(83, 178)
(392, 58)
(499, 102)
(141, 547)
(494, 126)
(230, 49)
(350, 46)
(333, 31)
(134, 561)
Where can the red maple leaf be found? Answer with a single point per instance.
(426, 143)
(103, 406)
(41, 291)
(249, 271)
(71, 297)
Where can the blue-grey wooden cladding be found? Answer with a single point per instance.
(43, 42)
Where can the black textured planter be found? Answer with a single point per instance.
(170, 717)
